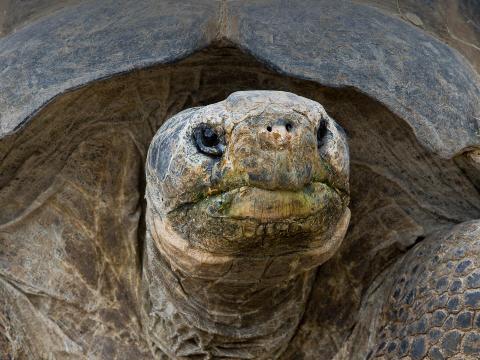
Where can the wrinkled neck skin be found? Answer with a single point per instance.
(228, 311)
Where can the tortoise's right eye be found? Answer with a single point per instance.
(321, 132)
(208, 140)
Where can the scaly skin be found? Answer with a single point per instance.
(432, 311)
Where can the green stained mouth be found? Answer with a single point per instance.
(270, 205)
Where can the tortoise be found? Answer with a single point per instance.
(87, 270)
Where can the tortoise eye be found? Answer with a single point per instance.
(321, 132)
(208, 140)
(209, 137)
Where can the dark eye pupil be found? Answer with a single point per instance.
(208, 141)
(210, 138)
(322, 131)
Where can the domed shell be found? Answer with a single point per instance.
(336, 44)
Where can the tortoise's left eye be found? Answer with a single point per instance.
(322, 133)
(208, 140)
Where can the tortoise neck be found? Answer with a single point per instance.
(219, 317)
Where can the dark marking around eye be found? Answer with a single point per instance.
(321, 132)
(208, 140)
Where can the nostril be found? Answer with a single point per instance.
(288, 126)
(269, 128)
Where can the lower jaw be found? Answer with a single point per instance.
(272, 262)
(260, 223)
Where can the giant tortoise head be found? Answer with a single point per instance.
(164, 191)
(261, 173)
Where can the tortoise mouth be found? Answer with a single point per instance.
(258, 222)
(268, 206)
